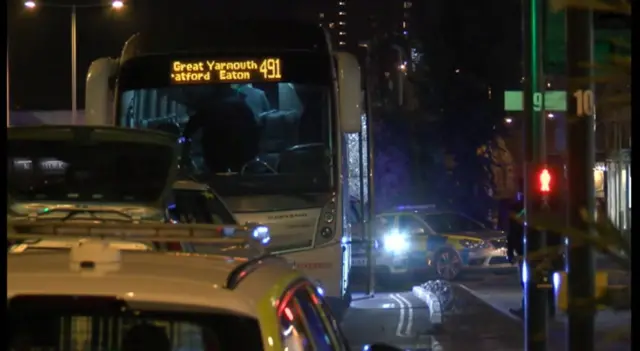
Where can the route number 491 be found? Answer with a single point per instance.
(584, 103)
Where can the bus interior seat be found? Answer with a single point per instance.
(279, 130)
(304, 159)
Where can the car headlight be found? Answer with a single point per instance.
(262, 233)
(474, 244)
(395, 242)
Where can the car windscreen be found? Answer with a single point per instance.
(452, 223)
(66, 323)
(100, 171)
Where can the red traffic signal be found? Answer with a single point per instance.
(544, 181)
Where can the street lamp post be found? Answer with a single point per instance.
(402, 68)
(8, 96)
(32, 4)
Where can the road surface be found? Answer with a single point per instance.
(396, 318)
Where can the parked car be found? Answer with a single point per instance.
(418, 238)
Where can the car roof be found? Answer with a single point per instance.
(174, 278)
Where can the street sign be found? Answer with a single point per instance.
(554, 100)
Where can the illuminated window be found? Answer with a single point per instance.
(404, 24)
(341, 3)
(342, 33)
(342, 23)
(342, 13)
(321, 15)
(331, 25)
(407, 4)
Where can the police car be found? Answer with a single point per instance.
(98, 297)
(415, 238)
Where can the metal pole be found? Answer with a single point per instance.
(400, 75)
(371, 215)
(74, 79)
(580, 163)
(8, 85)
(535, 297)
(364, 218)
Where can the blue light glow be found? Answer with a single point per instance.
(262, 233)
(525, 272)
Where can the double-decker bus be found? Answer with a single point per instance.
(262, 111)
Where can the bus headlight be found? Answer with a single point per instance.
(262, 233)
(396, 243)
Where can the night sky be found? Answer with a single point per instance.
(40, 40)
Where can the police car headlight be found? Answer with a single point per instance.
(262, 233)
(474, 244)
(396, 242)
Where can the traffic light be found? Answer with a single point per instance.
(544, 181)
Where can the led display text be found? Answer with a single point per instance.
(203, 71)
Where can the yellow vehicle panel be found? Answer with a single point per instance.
(269, 311)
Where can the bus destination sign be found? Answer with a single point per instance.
(231, 71)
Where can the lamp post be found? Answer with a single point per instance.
(115, 4)
(8, 96)
(402, 69)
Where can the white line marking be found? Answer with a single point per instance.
(401, 319)
(407, 331)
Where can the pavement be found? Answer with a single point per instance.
(503, 292)
(479, 320)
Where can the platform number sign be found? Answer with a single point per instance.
(537, 102)
(584, 103)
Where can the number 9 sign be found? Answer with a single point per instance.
(537, 102)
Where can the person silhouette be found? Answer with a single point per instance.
(229, 132)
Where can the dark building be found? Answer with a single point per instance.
(352, 22)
